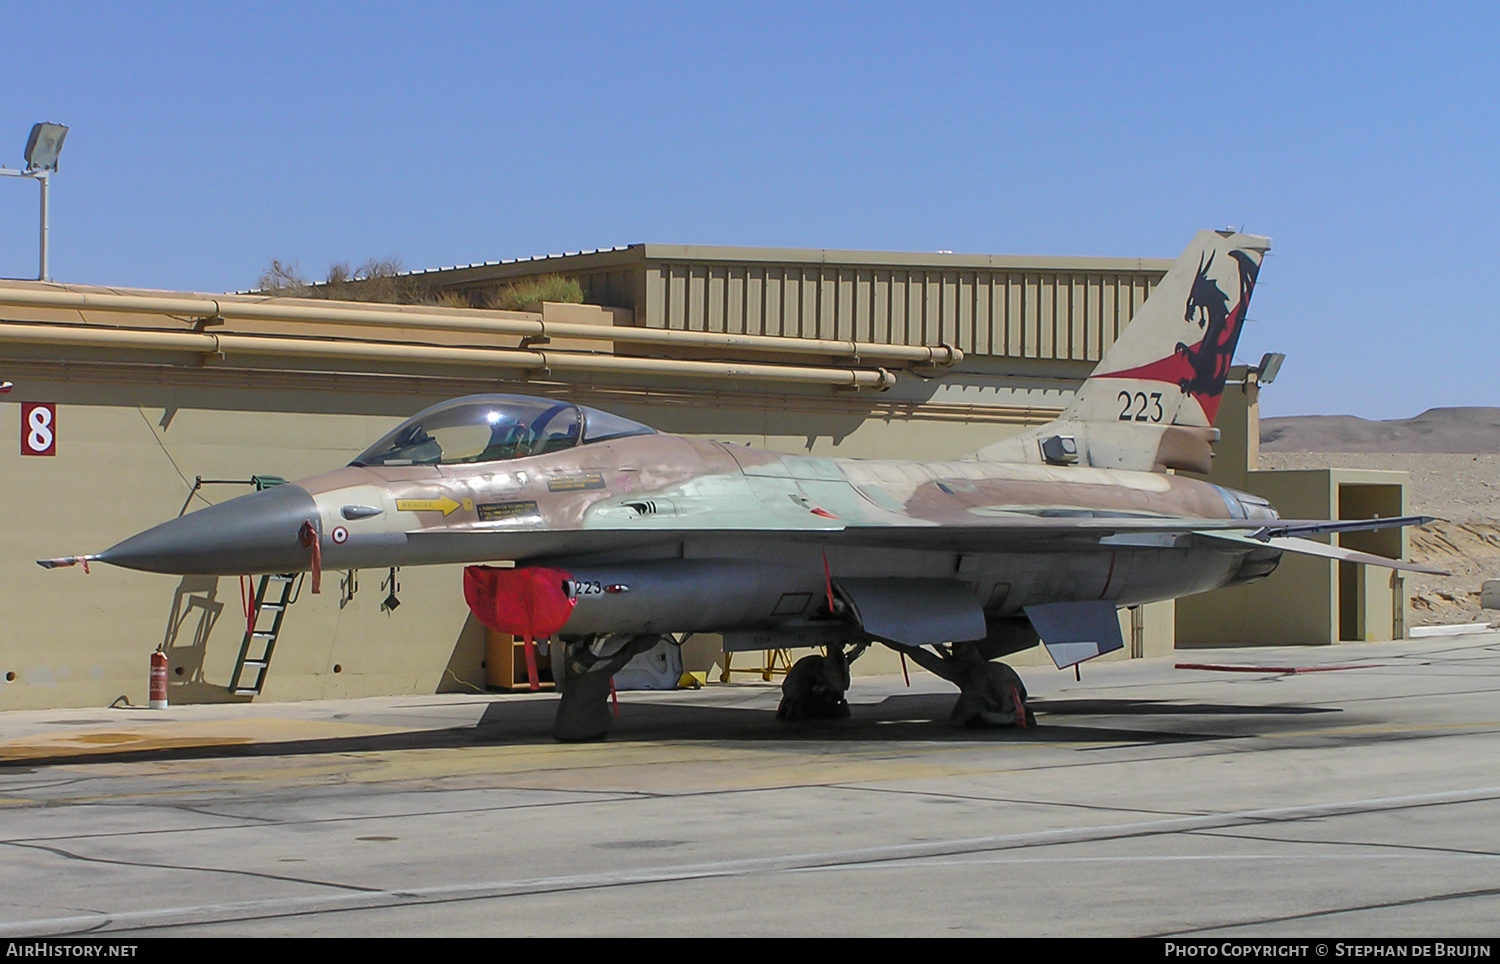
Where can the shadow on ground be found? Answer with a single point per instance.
(1168, 708)
(914, 717)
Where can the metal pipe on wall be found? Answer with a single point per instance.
(210, 343)
(398, 316)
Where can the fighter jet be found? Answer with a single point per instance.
(614, 536)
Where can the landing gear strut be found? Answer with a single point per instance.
(814, 687)
(583, 670)
(990, 694)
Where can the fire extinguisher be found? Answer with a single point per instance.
(158, 680)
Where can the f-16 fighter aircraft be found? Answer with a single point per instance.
(620, 536)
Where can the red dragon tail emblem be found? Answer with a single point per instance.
(1200, 369)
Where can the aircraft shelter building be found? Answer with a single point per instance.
(156, 402)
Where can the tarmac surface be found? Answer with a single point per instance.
(1363, 801)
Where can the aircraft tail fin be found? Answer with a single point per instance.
(1169, 365)
(1151, 402)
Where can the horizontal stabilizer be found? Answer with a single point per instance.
(1308, 547)
(914, 612)
(1343, 525)
(1076, 631)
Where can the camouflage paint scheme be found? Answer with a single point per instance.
(662, 497)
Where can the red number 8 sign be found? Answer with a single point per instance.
(38, 428)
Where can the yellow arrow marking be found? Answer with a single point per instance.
(444, 505)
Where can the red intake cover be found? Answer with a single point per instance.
(522, 602)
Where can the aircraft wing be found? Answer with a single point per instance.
(982, 534)
(1294, 528)
(1308, 547)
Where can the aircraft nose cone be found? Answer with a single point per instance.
(255, 533)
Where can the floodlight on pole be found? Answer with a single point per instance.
(42, 149)
(43, 146)
(1270, 366)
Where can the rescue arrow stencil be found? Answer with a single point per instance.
(444, 505)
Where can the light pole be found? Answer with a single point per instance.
(42, 148)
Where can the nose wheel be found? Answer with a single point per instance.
(583, 678)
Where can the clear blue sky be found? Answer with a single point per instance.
(207, 139)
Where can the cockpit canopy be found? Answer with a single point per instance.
(495, 428)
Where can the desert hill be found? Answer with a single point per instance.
(1474, 431)
(1453, 457)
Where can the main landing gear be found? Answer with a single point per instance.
(814, 687)
(990, 693)
(583, 678)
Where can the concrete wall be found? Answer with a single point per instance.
(126, 457)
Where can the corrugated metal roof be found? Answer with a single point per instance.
(1016, 306)
(830, 256)
(504, 261)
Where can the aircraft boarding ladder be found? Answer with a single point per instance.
(250, 669)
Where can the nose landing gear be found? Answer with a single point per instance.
(583, 678)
